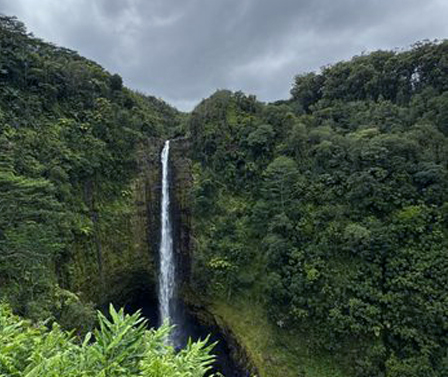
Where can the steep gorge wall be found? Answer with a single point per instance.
(181, 205)
(116, 258)
(183, 218)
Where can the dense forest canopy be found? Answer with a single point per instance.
(329, 209)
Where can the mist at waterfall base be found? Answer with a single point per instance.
(170, 308)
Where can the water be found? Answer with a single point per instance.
(146, 301)
(167, 273)
(170, 309)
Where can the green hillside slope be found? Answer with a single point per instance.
(330, 211)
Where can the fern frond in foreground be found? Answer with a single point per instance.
(121, 346)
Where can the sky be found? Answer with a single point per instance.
(184, 50)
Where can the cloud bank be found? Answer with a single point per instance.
(183, 50)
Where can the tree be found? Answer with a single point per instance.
(116, 82)
(280, 179)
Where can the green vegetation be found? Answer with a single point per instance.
(69, 142)
(69, 135)
(330, 211)
(121, 346)
(275, 351)
(320, 222)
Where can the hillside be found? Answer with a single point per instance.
(70, 134)
(329, 212)
(313, 230)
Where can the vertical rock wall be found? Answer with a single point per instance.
(119, 254)
(181, 186)
(116, 257)
(182, 195)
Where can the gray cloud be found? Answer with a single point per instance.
(182, 50)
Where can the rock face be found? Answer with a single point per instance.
(182, 216)
(117, 259)
(216, 325)
(181, 186)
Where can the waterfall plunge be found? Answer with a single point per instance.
(167, 273)
(168, 306)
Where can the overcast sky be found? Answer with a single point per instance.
(183, 50)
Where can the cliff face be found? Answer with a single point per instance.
(117, 258)
(182, 215)
(181, 186)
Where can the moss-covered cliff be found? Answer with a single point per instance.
(200, 308)
(181, 205)
(116, 258)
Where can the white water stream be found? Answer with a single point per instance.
(167, 273)
(168, 308)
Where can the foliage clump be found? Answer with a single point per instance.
(121, 346)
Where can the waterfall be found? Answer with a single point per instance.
(167, 273)
(170, 308)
